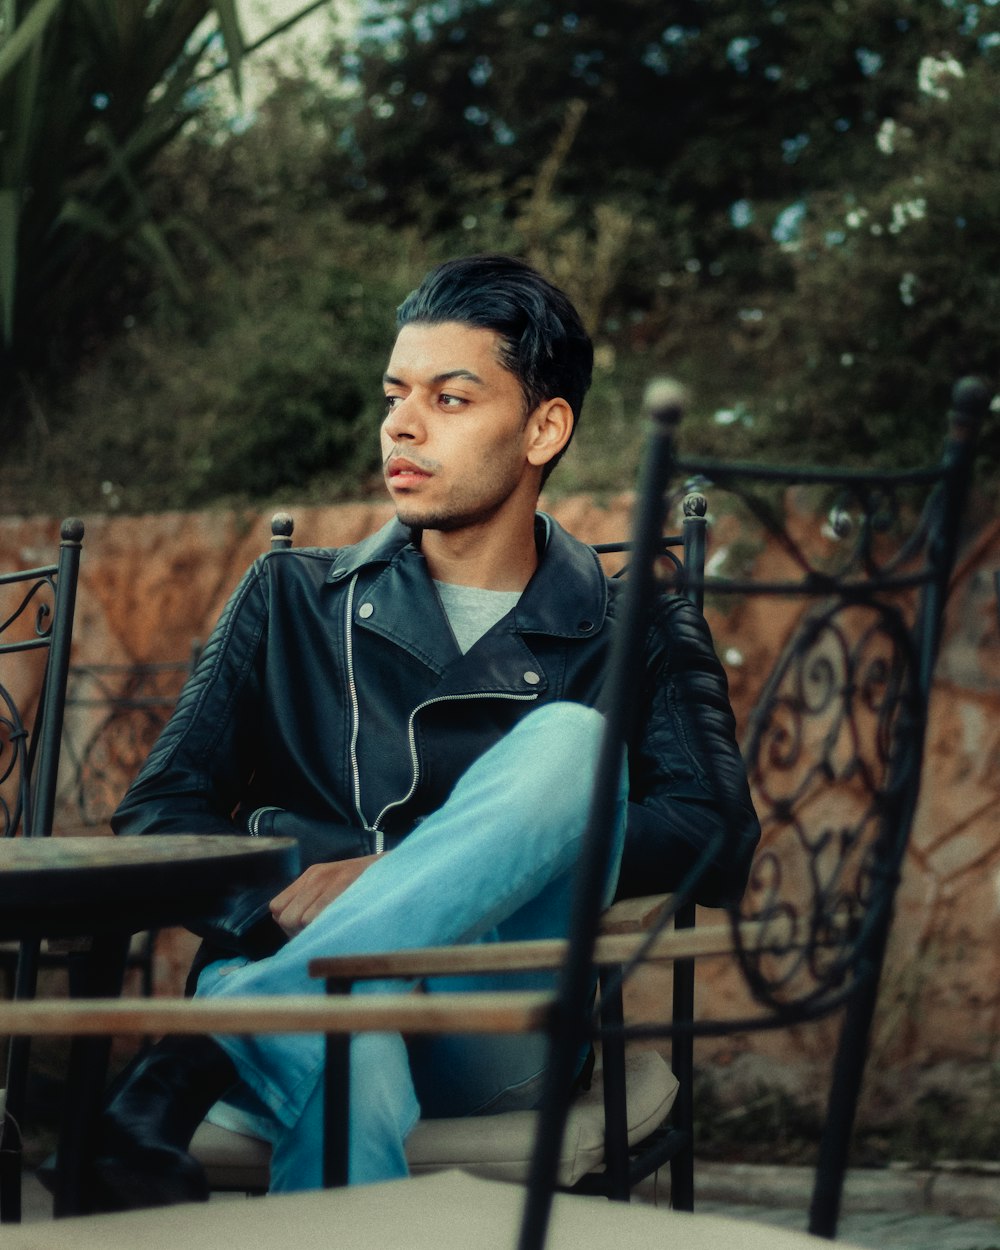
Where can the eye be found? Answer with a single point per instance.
(392, 402)
(452, 401)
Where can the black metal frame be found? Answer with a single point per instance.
(845, 708)
(672, 1142)
(132, 702)
(29, 767)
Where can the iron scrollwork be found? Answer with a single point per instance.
(829, 752)
(42, 585)
(833, 743)
(26, 626)
(115, 713)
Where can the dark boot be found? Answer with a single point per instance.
(148, 1121)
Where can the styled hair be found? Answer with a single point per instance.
(542, 339)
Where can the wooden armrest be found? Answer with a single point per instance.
(516, 1012)
(634, 915)
(705, 940)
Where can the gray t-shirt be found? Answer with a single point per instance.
(472, 611)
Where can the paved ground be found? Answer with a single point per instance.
(883, 1230)
(892, 1209)
(905, 1210)
(948, 1209)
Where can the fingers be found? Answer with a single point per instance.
(302, 901)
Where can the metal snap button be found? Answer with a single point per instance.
(532, 678)
(585, 627)
(366, 610)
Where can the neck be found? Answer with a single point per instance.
(488, 557)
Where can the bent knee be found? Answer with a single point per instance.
(563, 720)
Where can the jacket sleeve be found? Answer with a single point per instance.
(196, 773)
(689, 800)
(197, 776)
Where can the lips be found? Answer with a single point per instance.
(401, 472)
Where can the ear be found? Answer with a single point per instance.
(548, 430)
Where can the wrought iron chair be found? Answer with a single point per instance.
(637, 1100)
(36, 625)
(835, 741)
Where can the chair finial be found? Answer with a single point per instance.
(282, 526)
(664, 402)
(970, 401)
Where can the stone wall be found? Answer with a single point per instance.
(152, 584)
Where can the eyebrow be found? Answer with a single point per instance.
(450, 375)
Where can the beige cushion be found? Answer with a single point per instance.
(450, 1209)
(495, 1146)
(232, 1160)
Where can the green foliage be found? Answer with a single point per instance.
(710, 185)
(272, 383)
(90, 92)
(944, 1124)
(897, 285)
(767, 1126)
(688, 177)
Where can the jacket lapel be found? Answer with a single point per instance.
(566, 598)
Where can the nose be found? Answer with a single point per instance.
(403, 421)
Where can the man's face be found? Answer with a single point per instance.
(455, 436)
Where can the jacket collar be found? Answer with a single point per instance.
(379, 548)
(567, 597)
(568, 594)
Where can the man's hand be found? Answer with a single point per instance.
(303, 900)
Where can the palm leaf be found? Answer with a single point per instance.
(232, 37)
(26, 34)
(91, 92)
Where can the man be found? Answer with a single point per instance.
(417, 710)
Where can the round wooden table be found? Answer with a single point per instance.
(106, 889)
(82, 886)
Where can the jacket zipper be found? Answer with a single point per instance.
(414, 760)
(411, 732)
(253, 824)
(352, 691)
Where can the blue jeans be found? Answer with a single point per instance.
(494, 863)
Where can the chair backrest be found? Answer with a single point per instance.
(36, 625)
(36, 620)
(834, 745)
(835, 739)
(115, 713)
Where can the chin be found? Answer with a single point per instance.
(416, 520)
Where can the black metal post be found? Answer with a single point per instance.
(682, 1040)
(571, 1010)
(43, 783)
(102, 976)
(616, 1161)
(970, 402)
(337, 1100)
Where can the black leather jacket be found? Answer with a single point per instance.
(332, 704)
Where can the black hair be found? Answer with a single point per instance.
(542, 339)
